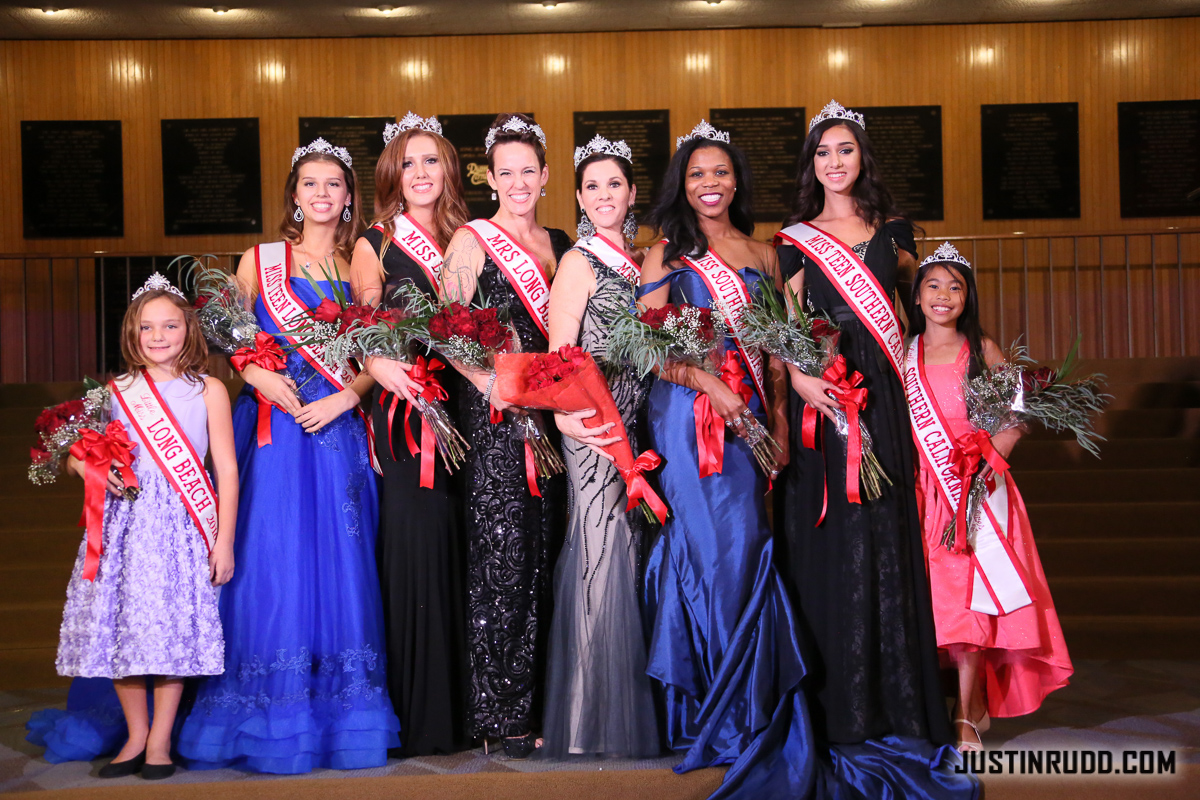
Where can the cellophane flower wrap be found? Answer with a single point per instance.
(1017, 392)
(811, 342)
(569, 380)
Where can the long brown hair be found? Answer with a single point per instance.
(193, 359)
(449, 213)
(347, 232)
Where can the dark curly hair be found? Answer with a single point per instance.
(968, 322)
(874, 201)
(675, 220)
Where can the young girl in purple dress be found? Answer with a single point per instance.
(148, 605)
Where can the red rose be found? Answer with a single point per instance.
(655, 317)
(327, 311)
(51, 419)
(1038, 379)
(366, 315)
(392, 316)
(201, 300)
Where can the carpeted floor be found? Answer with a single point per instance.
(1111, 705)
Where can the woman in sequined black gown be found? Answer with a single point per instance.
(511, 534)
(598, 696)
(418, 193)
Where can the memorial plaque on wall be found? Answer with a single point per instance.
(467, 132)
(907, 141)
(72, 179)
(771, 139)
(363, 137)
(212, 181)
(1159, 146)
(648, 134)
(1030, 161)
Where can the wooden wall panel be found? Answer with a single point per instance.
(1096, 64)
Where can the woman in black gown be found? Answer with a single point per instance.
(511, 534)
(419, 205)
(859, 576)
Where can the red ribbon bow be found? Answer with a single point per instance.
(637, 488)
(100, 452)
(422, 373)
(710, 426)
(970, 449)
(267, 354)
(852, 397)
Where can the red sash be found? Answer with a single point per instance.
(998, 584)
(163, 437)
(520, 267)
(419, 245)
(273, 262)
(612, 256)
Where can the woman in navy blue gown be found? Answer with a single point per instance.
(305, 683)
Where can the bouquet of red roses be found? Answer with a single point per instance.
(569, 380)
(469, 335)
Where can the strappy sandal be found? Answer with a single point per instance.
(977, 745)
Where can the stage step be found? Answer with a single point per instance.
(1114, 518)
(1040, 454)
(1172, 596)
(1125, 557)
(1147, 485)
(1132, 637)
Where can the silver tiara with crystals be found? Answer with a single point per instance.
(835, 110)
(156, 283)
(946, 253)
(703, 131)
(409, 122)
(322, 146)
(513, 125)
(599, 144)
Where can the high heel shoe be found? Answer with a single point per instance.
(518, 747)
(123, 769)
(975, 746)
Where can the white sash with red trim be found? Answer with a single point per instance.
(163, 437)
(419, 245)
(520, 267)
(857, 285)
(998, 583)
(612, 256)
(273, 264)
(730, 296)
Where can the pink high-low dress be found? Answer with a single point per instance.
(1025, 656)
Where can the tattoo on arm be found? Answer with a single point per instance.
(459, 273)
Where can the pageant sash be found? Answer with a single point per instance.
(163, 437)
(520, 267)
(612, 256)
(419, 245)
(857, 285)
(731, 297)
(998, 584)
(273, 262)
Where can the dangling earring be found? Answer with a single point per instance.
(630, 228)
(585, 229)
(543, 191)
(346, 217)
(494, 196)
(299, 215)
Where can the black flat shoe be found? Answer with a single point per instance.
(518, 747)
(157, 772)
(122, 769)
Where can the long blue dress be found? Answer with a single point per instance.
(725, 645)
(304, 683)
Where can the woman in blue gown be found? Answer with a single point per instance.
(304, 683)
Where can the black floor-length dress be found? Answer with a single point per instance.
(512, 539)
(421, 565)
(859, 579)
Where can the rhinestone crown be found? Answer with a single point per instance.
(599, 144)
(322, 146)
(946, 253)
(834, 110)
(513, 125)
(703, 131)
(156, 282)
(407, 123)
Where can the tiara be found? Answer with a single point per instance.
(946, 253)
(322, 146)
(834, 110)
(600, 145)
(513, 125)
(703, 131)
(410, 121)
(156, 283)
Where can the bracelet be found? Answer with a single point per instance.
(487, 395)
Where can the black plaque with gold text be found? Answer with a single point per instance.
(73, 185)
(467, 132)
(1030, 161)
(212, 176)
(771, 139)
(907, 142)
(363, 137)
(1159, 143)
(648, 134)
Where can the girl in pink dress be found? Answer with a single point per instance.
(1008, 662)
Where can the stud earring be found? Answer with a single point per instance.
(299, 215)
(346, 216)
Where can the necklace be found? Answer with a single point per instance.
(309, 257)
